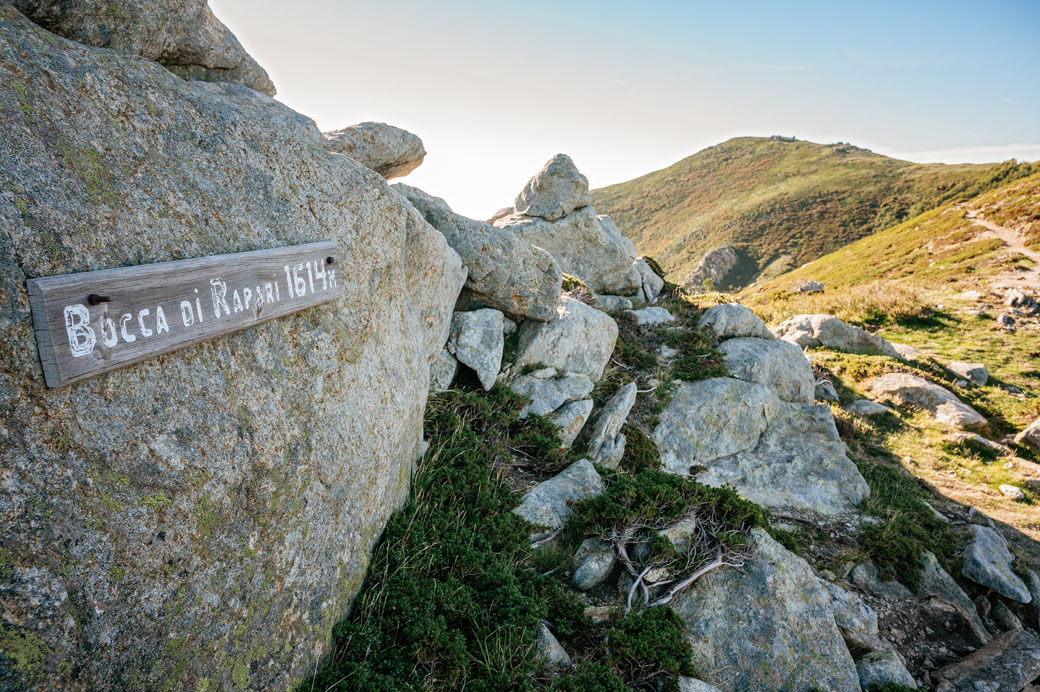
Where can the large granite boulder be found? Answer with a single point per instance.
(767, 626)
(828, 331)
(204, 518)
(505, 272)
(585, 245)
(726, 431)
(934, 399)
(774, 363)
(389, 151)
(557, 190)
(182, 35)
(580, 339)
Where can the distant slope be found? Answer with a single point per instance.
(780, 201)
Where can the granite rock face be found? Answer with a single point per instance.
(767, 626)
(580, 339)
(209, 531)
(183, 35)
(772, 452)
(389, 151)
(879, 668)
(504, 272)
(936, 400)
(987, 561)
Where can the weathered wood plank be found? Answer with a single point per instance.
(93, 322)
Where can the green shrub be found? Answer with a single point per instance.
(699, 358)
(640, 451)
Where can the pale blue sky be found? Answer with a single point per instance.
(496, 88)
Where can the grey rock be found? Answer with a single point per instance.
(557, 190)
(182, 35)
(776, 364)
(857, 621)
(937, 401)
(231, 491)
(585, 245)
(1004, 618)
(1033, 583)
(827, 330)
(505, 272)
(1011, 492)
(962, 437)
(694, 685)
(976, 373)
(651, 317)
(548, 503)
(767, 626)
(389, 151)
(865, 408)
(865, 576)
(987, 561)
(549, 390)
(1015, 298)
(1007, 664)
(571, 418)
(611, 453)
(883, 667)
(442, 371)
(1030, 436)
(613, 303)
(937, 581)
(825, 391)
(611, 417)
(549, 648)
(728, 320)
(477, 339)
(772, 452)
(1006, 321)
(715, 265)
(653, 283)
(596, 563)
(810, 287)
(579, 339)
(906, 352)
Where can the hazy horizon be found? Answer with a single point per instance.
(494, 91)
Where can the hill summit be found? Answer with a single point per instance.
(781, 202)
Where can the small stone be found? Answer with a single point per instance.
(557, 190)
(937, 401)
(549, 648)
(865, 408)
(884, 667)
(570, 418)
(1012, 492)
(613, 303)
(548, 390)
(1006, 321)
(906, 352)
(611, 453)
(477, 340)
(548, 504)
(810, 287)
(611, 417)
(865, 576)
(651, 317)
(595, 566)
(389, 151)
(442, 370)
(976, 373)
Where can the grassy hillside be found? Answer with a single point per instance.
(783, 202)
(936, 282)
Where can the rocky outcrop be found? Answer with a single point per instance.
(553, 212)
(777, 364)
(772, 452)
(715, 265)
(211, 530)
(808, 331)
(182, 35)
(730, 320)
(557, 190)
(389, 151)
(580, 339)
(936, 400)
(987, 561)
(505, 272)
(767, 626)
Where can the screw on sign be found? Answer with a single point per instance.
(94, 322)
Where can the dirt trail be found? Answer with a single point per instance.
(1022, 278)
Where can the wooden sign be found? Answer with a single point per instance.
(93, 322)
